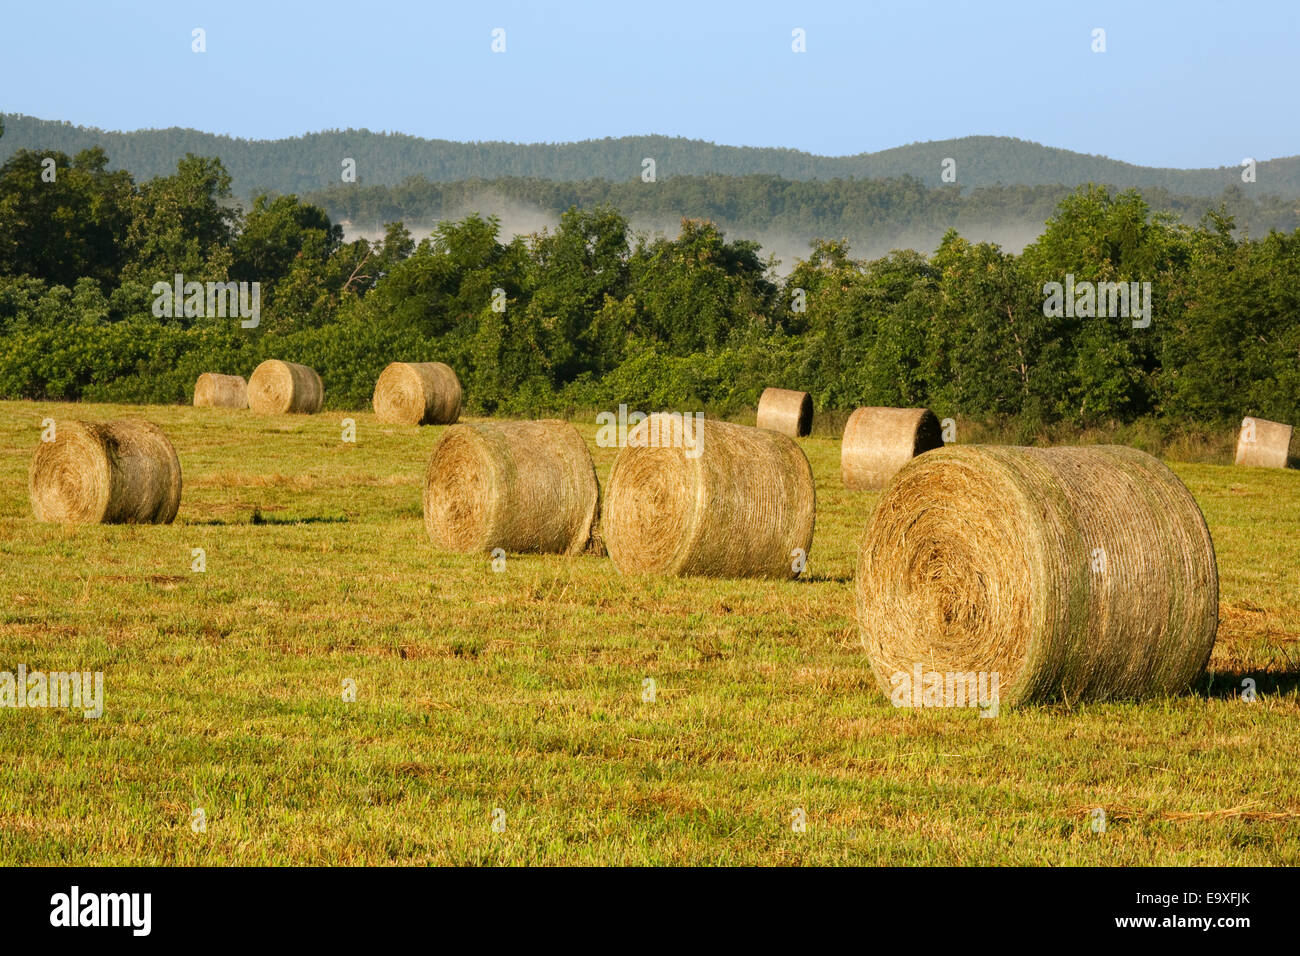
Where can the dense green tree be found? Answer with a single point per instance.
(985, 353)
(277, 231)
(572, 272)
(443, 286)
(1238, 347)
(1100, 237)
(862, 332)
(693, 291)
(292, 249)
(63, 221)
(183, 224)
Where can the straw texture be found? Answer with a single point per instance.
(116, 472)
(277, 388)
(418, 393)
(785, 412)
(214, 390)
(1074, 573)
(519, 486)
(739, 509)
(1263, 444)
(879, 441)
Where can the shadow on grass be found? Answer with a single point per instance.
(1228, 685)
(258, 518)
(823, 578)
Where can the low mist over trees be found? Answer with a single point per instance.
(987, 187)
(887, 213)
(590, 314)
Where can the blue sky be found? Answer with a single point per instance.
(1184, 84)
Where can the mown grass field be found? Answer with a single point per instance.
(522, 690)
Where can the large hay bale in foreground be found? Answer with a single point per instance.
(116, 472)
(214, 390)
(727, 501)
(418, 393)
(1071, 573)
(277, 388)
(786, 412)
(1263, 444)
(519, 486)
(879, 441)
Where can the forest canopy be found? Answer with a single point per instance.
(590, 314)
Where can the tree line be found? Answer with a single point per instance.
(311, 162)
(591, 314)
(872, 212)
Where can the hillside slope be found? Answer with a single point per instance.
(314, 161)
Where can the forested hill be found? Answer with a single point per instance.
(314, 161)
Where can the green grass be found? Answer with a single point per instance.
(522, 689)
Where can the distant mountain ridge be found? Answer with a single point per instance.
(315, 161)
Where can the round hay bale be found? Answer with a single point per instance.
(726, 501)
(116, 472)
(277, 388)
(214, 390)
(1070, 573)
(519, 486)
(1263, 444)
(879, 441)
(785, 412)
(418, 393)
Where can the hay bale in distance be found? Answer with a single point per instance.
(1072, 573)
(1263, 444)
(418, 393)
(119, 472)
(785, 412)
(519, 486)
(729, 501)
(214, 390)
(879, 441)
(277, 388)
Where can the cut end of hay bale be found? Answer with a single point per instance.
(116, 472)
(690, 496)
(1263, 444)
(517, 486)
(879, 441)
(213, 390)
(279, 388)
(785, 412)
(1064, 573)
(418, 393)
